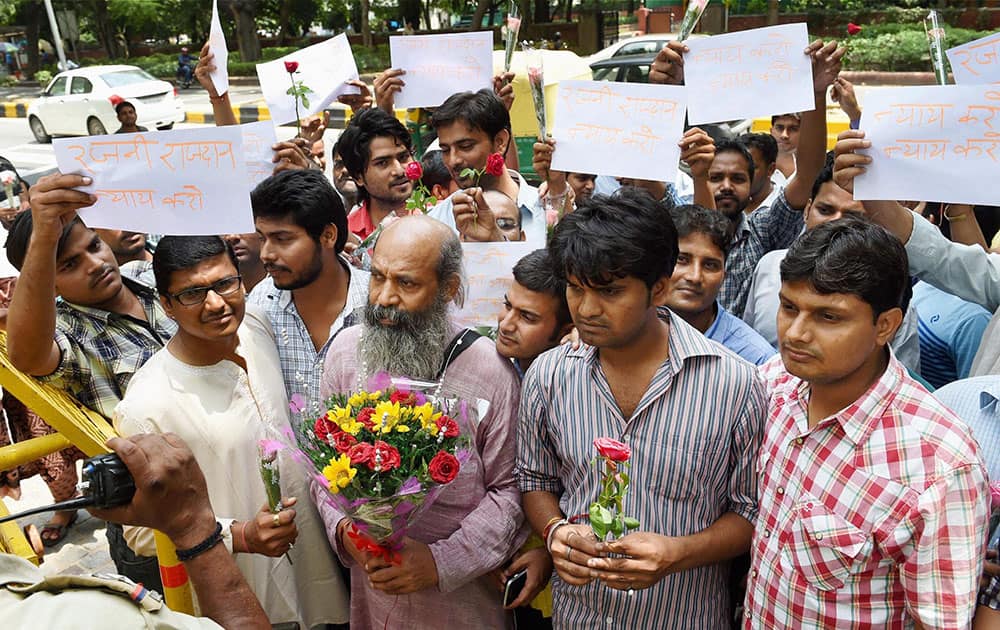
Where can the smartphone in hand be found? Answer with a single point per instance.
(514, 586)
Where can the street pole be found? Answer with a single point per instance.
(55, 35)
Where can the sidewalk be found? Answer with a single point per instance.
(85, 548)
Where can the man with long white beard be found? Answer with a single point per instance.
(476, 523)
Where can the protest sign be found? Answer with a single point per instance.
(976, 62)
(438, 66)
(186, 181)
(258, 138)
(753, 73)
(324, 68)
(639, 124)
(217, 46)
(932, 143)
(489, 271)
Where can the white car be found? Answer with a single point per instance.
(82, 102)
(651, 43)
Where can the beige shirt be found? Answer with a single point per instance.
(222, 412)
(29, 599)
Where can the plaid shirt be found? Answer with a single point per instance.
(873, 518)
(102, 350)
(301, 364)
(764, 230)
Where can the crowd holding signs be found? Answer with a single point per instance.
(685, 382)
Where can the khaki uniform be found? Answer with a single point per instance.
(29, 599)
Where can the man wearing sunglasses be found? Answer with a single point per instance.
(218, 384)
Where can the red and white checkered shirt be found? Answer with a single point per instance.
(874, 518)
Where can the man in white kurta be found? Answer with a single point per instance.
(222, 411)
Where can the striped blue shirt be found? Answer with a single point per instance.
(977, 402)
(694, 438)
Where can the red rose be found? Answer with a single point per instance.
(447, 426)
(403, 398)
(365, 417)
(414, 171)
(612, 449)
(494, 165)
(291, 66)
(324, 428)
(853, 29)
(343, 441)
(388, 455)
(443, 467)
(361, 453)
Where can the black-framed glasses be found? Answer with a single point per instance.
(197, 295)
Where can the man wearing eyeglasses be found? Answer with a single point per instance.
(77, 321)
(218, 385)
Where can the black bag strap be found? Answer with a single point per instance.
(458, 345)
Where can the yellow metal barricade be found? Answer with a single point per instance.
(88, 431)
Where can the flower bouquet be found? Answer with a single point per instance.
(690, 20)
(384, 455)
(536, 81)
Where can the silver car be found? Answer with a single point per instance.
(82, 102)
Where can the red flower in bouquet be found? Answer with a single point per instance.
(447, 426)
(443, 467)
(324, 429)
(853, 29)
(494, 165)
(365, 417)
(414, 171)
(612, 449)
(362, 453)
(343, 441)
(291, 66)
(403, 398)
(385, 457)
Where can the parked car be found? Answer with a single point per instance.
(651, 43)
(82, 102)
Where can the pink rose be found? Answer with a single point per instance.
(612, 449)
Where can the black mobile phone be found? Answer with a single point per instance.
(515, 584)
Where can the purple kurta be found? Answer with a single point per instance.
(475, 524)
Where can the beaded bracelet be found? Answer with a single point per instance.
(189, 554)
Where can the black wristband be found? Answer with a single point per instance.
(188, 554)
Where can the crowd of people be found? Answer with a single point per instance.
(767, 347)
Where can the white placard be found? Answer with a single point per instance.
(217, 46)
(258, 138)
(489, 270)
(976, 62)
(637, 123)
(932, 143)
(324, 68)
(185, 181)
(752, 73)
(438, 66)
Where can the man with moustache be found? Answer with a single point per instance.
(105, 325)
(475, 525)
(126, 246)
(311, 291)
(346, 187)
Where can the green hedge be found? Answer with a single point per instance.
(899, 47)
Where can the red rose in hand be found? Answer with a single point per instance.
(388, 457)
(494, 165)
(343, 441)
(403, 398)
(365, 417)
(414, 171)
(443, 467)
(324, 429)
(291, 66)
(612, 449)
(853, 29)
(447, 426)
(361, 453)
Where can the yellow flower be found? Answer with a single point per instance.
(344, 419)
(357, 401)
(374, 396)
(402, 428)
(339, 473)
(386, 416)
(425, 413)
